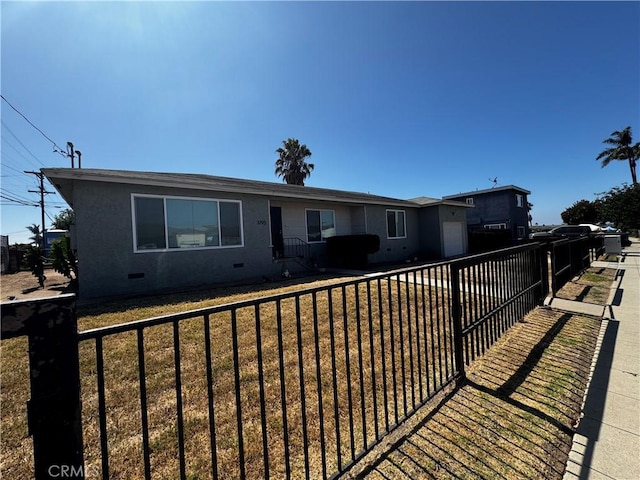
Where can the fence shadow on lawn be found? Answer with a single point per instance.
(253, 289)
(515, 415)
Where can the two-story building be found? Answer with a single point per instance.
(498, 208)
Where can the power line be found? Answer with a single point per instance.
(4, 165)
(57, 148)
(23, 145)
(70, 152)
(19, 202)
(18, 151)
(14, 195)
(42, 193)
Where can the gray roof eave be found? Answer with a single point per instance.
(60, 176)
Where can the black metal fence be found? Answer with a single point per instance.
(495, 291)
(301, 384)
(569, 257)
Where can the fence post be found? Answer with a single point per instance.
(554, 269)
(456, 314)
(54, 409)
(544, 258)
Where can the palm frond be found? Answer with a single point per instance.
(291, 164)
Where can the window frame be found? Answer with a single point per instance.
(469, 200)
(167, 248)
(323, 239)
(495, 226)
(404, 223)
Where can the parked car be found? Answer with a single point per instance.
(559, 233)
(594, 228)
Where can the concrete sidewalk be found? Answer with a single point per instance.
(606, 444)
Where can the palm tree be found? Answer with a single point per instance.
(37, 234)
(291, 164)
(622, 149)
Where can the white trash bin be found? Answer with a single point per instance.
(613, 244)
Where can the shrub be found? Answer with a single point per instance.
(352, 250)
(62, 258)
(33, 259)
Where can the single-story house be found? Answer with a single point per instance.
(141, 232)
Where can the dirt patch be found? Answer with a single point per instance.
(23, 285)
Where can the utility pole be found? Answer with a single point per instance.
(42, 192)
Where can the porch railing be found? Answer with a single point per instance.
(296, 248)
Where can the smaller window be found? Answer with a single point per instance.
(396, 226)
(519, 200)
(495, 226)
(469, 201)
(320, 225)
(521, 232)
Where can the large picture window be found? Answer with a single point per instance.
(396, 226)
(162, 223)
(320, 225)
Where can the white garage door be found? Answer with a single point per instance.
(453, 238)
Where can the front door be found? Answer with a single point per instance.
(277, 240)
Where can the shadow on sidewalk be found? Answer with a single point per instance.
(588, 431)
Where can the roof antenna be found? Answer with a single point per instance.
(495, 182)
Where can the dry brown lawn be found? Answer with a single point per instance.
(515, 416)
(513, 419)
(591, 286)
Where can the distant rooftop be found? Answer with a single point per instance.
(488, 190)
(424, 201)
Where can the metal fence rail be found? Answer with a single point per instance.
(495, 291)
(569, 257)
(301, 384)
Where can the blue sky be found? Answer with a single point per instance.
(400, 99)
